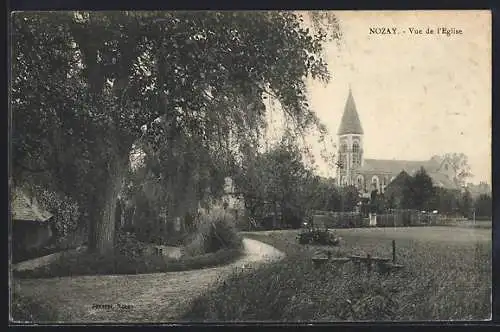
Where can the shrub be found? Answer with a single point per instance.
(215, 231)
(128, 245)
(318, 236)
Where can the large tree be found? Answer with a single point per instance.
(85, 83)
(483, 206)
(279, 179)
(459, 164)
(422, 190)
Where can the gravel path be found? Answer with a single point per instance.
(138, 298)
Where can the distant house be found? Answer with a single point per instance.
(31, 225)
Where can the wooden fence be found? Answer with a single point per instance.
(331, 219)
(392, 218)
(402, 218)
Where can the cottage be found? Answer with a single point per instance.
(31, 225)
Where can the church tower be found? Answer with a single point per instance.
(350, 145)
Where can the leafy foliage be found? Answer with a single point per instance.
(95, 79)
(483, 206)
(278, 178)
(128, 245)
(318, 236)
(422, 190)
(459, 163)
(216, 231)
(411, 192)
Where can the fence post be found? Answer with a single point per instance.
(394, 251)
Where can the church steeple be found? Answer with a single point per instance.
(350, 123)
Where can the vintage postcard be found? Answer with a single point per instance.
(250, 166)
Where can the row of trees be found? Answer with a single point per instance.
(418, 192)
(185, 88)
(278, 183)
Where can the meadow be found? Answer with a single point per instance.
(446, 276)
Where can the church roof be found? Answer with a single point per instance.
(396, 166)
(350, 123)
(404, 168)
(441, 180)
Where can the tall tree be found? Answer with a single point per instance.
(483, 205)
(422, 189)
(459, 163)
(446, 201)
(85, 83)
(466, 203)
(350, 198)
(280, 178)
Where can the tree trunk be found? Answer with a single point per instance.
(103, 211)
(275, 215)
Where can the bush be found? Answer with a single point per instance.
(215, 231)
(28, 309)
(127, 244)
(318, 236)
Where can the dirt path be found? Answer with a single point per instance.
(138, 298)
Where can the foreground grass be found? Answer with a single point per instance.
(28, 309)
(442, 280)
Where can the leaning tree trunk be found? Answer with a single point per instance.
(103, 212)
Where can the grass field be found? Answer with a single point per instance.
(447, 276)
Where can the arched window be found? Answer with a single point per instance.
(343, 182)
(385, 182)
(355, 155)
(355, 147)
(360, 182)
(343, 147)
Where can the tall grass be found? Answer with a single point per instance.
(440, 282)
(215, 231)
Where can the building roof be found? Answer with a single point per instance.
(350, 123)
(438, 179)
(394, 167)
(26, 209)
(441, 180)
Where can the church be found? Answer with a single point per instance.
(368, 174)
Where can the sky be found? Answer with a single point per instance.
(416, 95)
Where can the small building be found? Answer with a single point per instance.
(31, 225)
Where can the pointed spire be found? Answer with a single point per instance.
(350, 123)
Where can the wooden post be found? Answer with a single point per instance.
(394, 251)
(369, 263)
